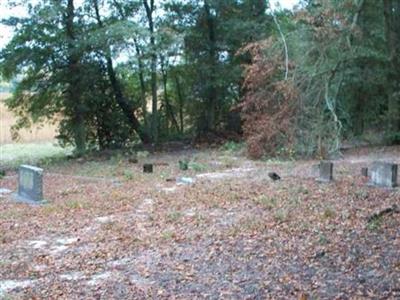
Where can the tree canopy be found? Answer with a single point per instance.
(116, 71)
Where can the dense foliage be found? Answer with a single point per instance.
(341, 83)
(113, 71)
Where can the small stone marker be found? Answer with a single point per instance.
(364, 172)
(183, 165)
(383, 174)
(325, 171)
(30, 185)
(148, 168)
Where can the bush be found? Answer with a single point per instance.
(268, 106)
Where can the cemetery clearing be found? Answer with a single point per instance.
(220, 229)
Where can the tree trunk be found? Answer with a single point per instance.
(169, 110)
(392, 27)
(141, 71)
(142, 83)
(123, 103)
(179, 92)
(359, 114)
(154, 122)
(211, 108)
(73, 93)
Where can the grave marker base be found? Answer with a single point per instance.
(21, 199)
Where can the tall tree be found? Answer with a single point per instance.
(150, 9)
(73, 77)
(392, 30)
(126, 105)
(213, 32)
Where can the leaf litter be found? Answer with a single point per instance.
(236, 235)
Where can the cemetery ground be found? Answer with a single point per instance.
(221, 229)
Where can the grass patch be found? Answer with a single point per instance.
(12, 155)
(232, 147)
(361, 194)
(302, 190)
(128, 174)
(76, 204)
(266, 202)
(142, 154)
(323, 239)
(281, 215)
(98, 169)
(51, 209)
(374, 224)
(11, 214)
(329, 213)
(229, 161)
(168, 235)
(174, 216)
(234, 197)
(197, 167)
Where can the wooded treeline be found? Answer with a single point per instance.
(291, 82)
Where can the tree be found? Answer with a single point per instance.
(67, 71)
(341, 73)
(49, 58)
(126, 105)
(213, 31)
(73, 80)
(392, 33)
(150, 9)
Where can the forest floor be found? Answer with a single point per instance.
(109, 231)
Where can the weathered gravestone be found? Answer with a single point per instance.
(183, 165)
(30, 185)
(148, 168)
(364, 172)
(325, 171)
(383, 174)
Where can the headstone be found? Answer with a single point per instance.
(325, 171)
(383, 174)
(148, 168)
(183, 165)
(30, 185)
(364, 172)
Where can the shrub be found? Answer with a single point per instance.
(268, 105)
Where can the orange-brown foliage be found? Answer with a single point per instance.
(268, 106)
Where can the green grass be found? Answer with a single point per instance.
(267, 202)
(12, 155)
(232, 147)
(174, 216)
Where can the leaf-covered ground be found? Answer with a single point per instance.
(111, 232)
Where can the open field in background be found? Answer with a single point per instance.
(12, 155)
(43, 133)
